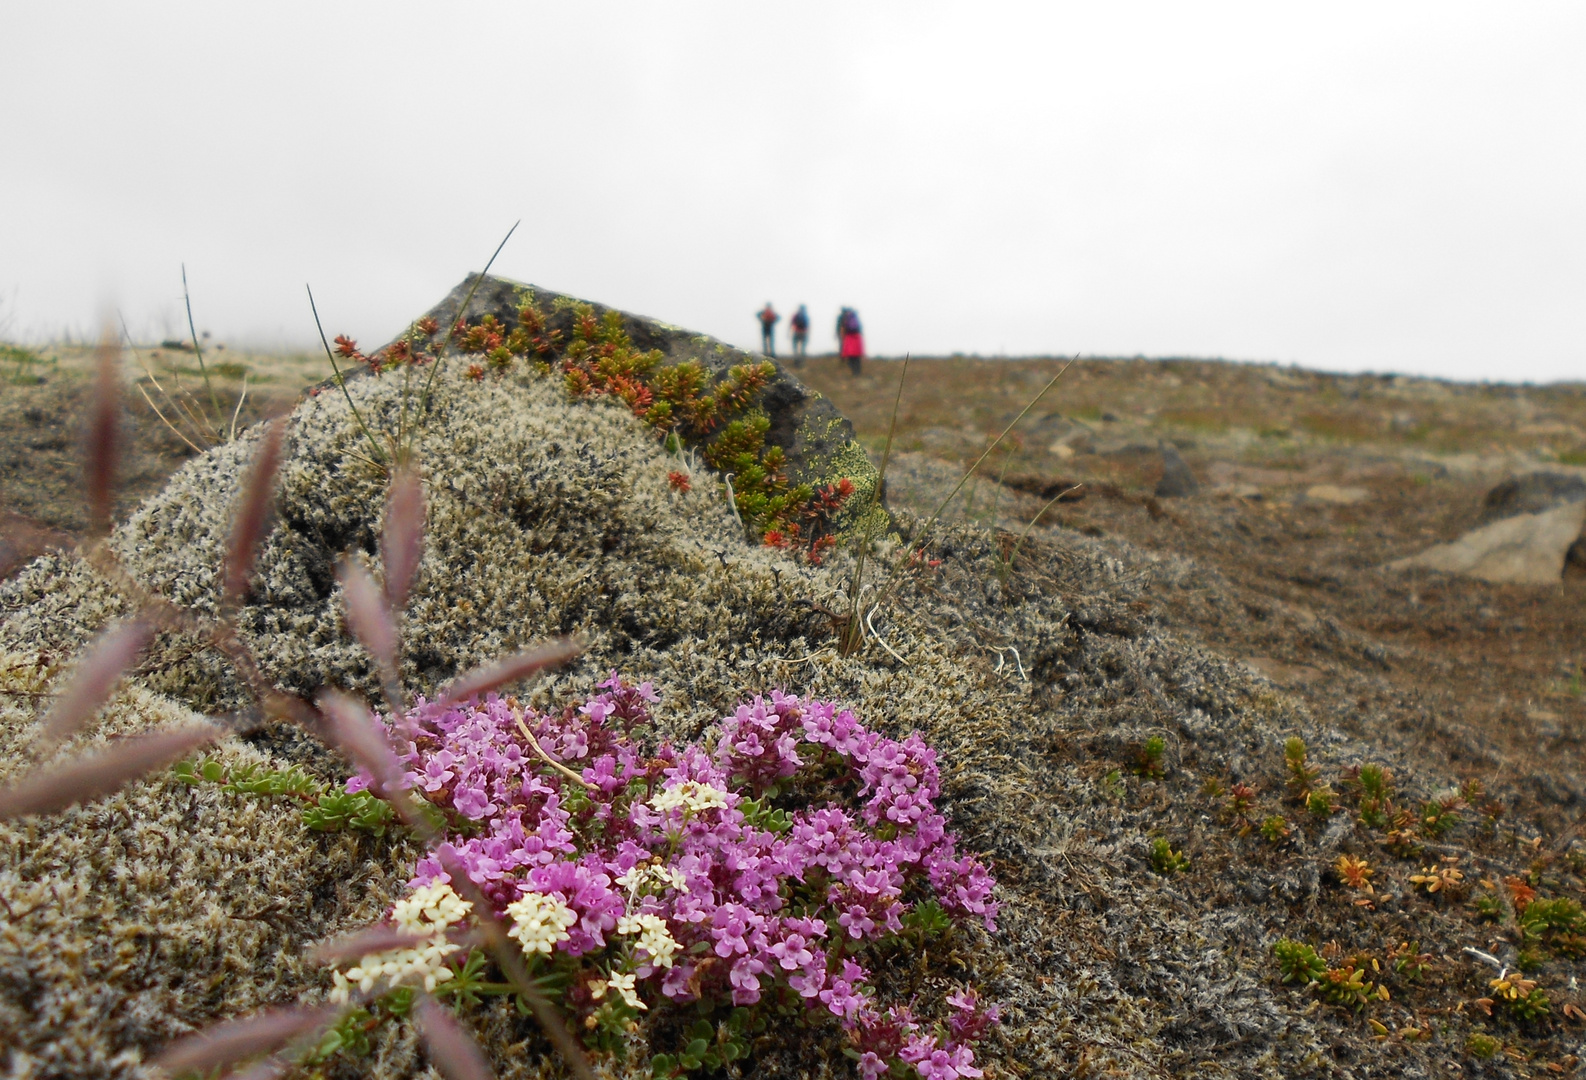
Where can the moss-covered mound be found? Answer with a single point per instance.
(1075, 739)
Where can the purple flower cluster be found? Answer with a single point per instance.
(744, 903)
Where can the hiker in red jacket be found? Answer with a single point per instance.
(851, 339)
(799, 329)
(768, 318)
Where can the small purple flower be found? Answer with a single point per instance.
(871, 1067)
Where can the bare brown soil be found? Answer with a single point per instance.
(43, 406)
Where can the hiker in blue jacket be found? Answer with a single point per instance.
(799, 329)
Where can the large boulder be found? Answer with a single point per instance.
(1524, 549)
(1530, 530)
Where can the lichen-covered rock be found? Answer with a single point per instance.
(164, 908)
(817, 439)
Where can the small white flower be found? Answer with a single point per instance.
(429, 910)
(623, 984)
(654, 937)
(690, 794)
(651, 876)
(539, 922)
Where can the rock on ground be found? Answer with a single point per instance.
(1525, 549)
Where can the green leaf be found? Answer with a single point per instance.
(212, 771)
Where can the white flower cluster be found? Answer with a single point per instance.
(654, 938)
(691, 795)
(539, 922)
(622, 984)
(655, 876)
(431, 910)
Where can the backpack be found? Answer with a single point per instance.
(851, 322)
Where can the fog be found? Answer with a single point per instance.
(1342, 186)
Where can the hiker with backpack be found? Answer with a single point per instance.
(768, 319)
(850, 338)
(799, 329)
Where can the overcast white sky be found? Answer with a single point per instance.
(1346, 186)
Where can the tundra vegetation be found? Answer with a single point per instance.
(721, 833)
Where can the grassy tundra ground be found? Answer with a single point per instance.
(1310, 482)
(1140, 912)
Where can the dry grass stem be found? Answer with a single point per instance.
(373, 625)
(252, 516)
(540, 750)
(83, 779)
(103, 440)
(379, 939)
(521, 665)
(402, 538)
(452, 1050)
(97, 675)
(226, 1044)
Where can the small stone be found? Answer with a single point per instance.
(1177, 480)
(1339, 496)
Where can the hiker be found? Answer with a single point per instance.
(799, 328)
(768, 318)
(850, 338)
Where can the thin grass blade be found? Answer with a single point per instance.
(226, 1044)
(198, 351)
(369, 617)
(103, 436)
(451, 1049)
(462, 317)
(402, 540)
(924, 533)
(45, 791)
(96, 676)
(488, 677)
(341, 381)
(257, 490)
